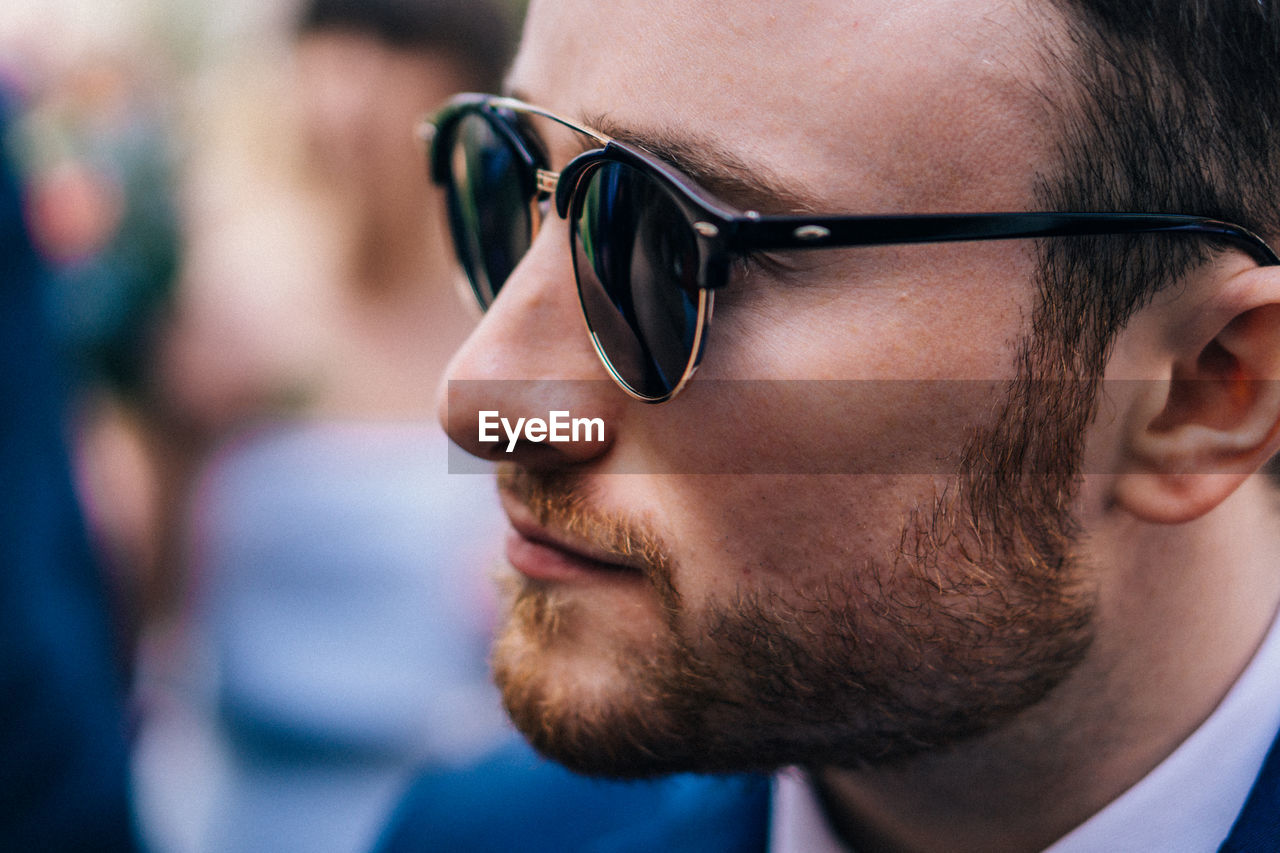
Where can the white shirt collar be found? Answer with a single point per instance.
(796, 820)
(1188, 803)
(1171, 809)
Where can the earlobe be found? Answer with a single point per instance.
(1192, 439)
(1172, 498)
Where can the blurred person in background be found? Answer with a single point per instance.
(332, 631)
(63, 770)
(94, 147)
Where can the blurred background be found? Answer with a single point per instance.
(250, 295)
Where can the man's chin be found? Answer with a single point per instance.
(594, 740)
(592, 752)
(594, 710)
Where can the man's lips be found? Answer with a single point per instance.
(545, 555)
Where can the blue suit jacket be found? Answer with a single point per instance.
(1257, 829)
(518, 802)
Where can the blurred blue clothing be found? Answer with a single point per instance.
(63, 763)
(342, 576)
(343, 610)
(517, 801)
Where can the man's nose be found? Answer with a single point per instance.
(531, 357)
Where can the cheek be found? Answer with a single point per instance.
(933, 311)
(825, 420)
(786, 534)
(798, 427)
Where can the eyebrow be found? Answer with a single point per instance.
(716, 169)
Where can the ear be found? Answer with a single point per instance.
(1192, 439)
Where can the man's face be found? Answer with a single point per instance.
(664, 619)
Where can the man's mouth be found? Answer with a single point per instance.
(546, 555)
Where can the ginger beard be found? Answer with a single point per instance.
(978, 612)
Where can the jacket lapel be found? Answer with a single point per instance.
(1257, 829)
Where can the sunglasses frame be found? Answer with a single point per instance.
(723, 231)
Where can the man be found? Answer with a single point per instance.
(1004, 579)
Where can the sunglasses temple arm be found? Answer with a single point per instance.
(801, 232)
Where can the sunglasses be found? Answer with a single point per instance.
(650, 247)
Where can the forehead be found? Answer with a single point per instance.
(867, 106)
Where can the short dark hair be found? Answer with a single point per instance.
(1174, 106)
(478, 34)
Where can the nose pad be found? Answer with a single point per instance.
(527, 386)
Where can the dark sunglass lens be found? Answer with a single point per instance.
(636, 259)
(488, 207)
